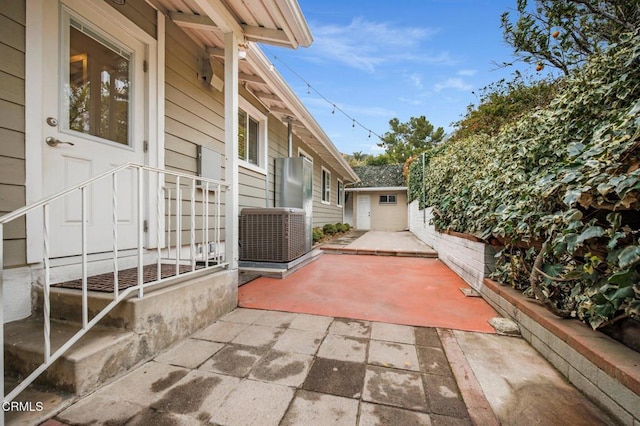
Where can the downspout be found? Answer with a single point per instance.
(290, 136)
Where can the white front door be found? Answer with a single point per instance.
(364, 212)
(93, 120)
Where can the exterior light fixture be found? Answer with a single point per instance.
(242, 50)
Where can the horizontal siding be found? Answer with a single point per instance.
(194, 112)
(325, 213)
(140, 13)
(12, 127)
(194, 115)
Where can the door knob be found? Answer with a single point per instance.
(51, 141)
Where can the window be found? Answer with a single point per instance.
(252, 137)
(97, 85)
(388, 199)
(302, 153)
(340, 193)
(326, 186)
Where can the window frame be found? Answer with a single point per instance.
(305, 154)
(340, 193)
(387, 202)
(325, 186)
(261, 119)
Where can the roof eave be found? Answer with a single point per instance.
(265, 70)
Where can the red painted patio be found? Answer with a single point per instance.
(399, 290)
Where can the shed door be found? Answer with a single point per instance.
(364, 212)
(93, 120)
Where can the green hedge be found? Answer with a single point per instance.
(561, 185)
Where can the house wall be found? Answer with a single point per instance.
(12, 126)
(325, 212)
(384, 217)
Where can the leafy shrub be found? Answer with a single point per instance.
(341, 227)
(329, 229)
(317, 234)
(560, 188)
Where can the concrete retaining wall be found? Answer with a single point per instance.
(471, 260)
(602, 368)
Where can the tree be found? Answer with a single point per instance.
(564, 33)
(503, 102)
(410, 138)
(357, 159)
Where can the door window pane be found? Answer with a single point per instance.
(98, 86)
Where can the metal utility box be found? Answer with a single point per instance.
(294, 189)
(272, 234)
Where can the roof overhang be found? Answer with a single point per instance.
(304, 125)
(377, 189)
(276, 22)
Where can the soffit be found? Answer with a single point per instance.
(274, 22)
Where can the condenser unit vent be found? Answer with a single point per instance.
(272, 234)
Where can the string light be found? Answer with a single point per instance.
(333, 105)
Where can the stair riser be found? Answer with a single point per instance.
(145, 327)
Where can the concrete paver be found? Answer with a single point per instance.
(258, 335)
(234, 360)
(275, 319)
(190, 353)
(396, 355)
(335, 377)
(311, 322)
(275, 382)
(299, 341)
(394, 387)
(221, 331)
(283, 368)
(348, 327)
(344, 348)
(254, 401)
(244, 316)
(374, 415)
(433, 361)
(310, 408)
(392, 333)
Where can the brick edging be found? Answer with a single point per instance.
(614, 358)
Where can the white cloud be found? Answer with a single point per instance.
(366, 45)
(414, 102)
(453, 83)
(467, 73)
(416, 79)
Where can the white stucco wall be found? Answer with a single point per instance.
(469, 259)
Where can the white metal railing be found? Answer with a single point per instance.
(184, 188)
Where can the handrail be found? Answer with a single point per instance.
(163, 191)
(26, 209)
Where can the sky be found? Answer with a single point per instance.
(378, 60)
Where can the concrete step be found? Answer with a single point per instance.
(100, 355)
(135, 330)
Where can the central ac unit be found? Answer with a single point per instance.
(272, 234)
